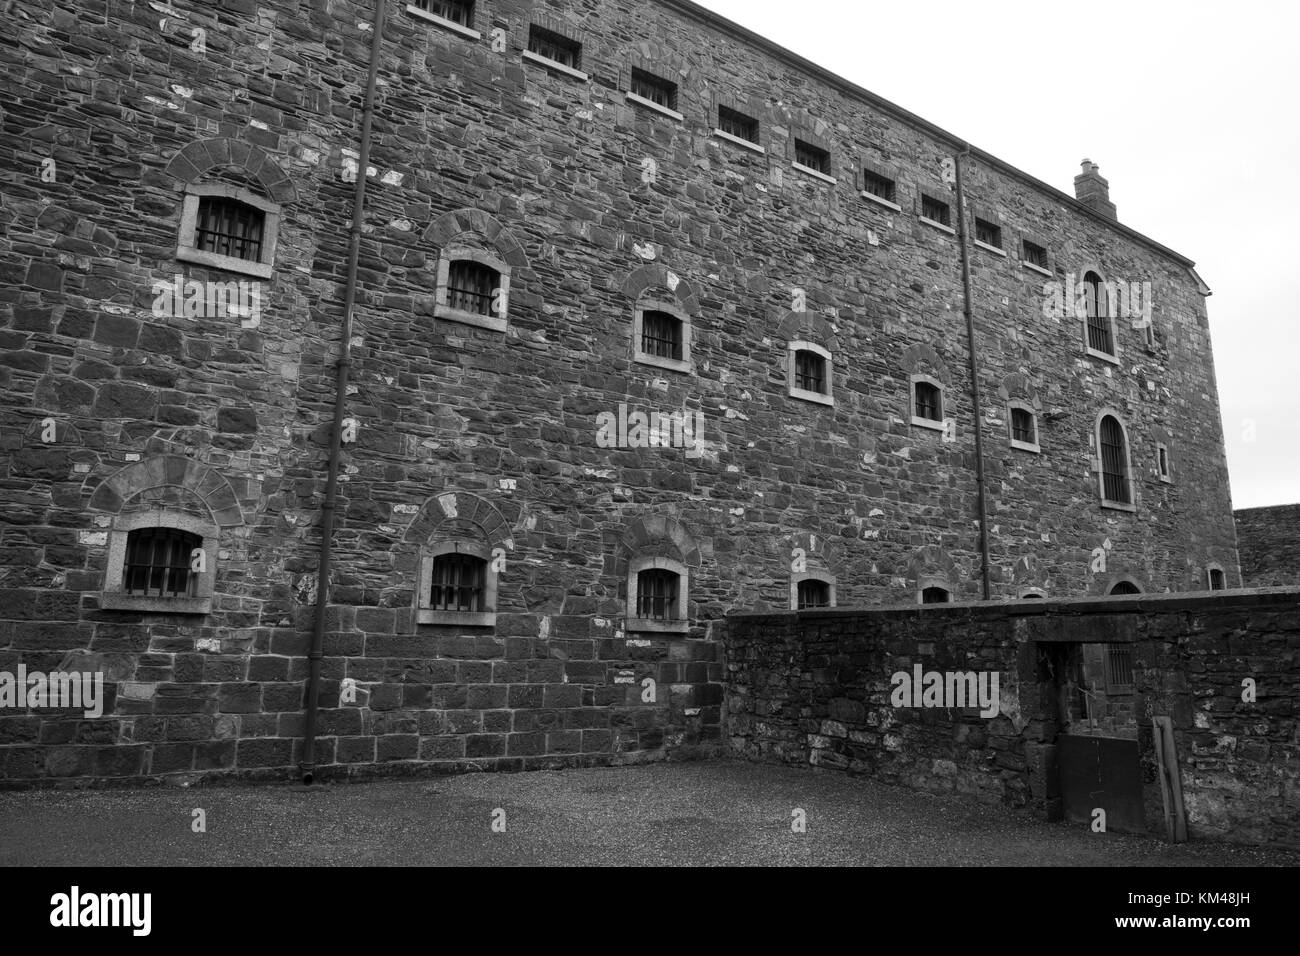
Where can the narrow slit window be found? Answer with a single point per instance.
(457, 11)
(936, 210)
(882, 187)
(1163, 453)
(472, 286)
(159, 563)
(813, 593)
(1034, 254)
(812, 157)
(229, 227)
(1022, 426)
(555, 47)
(661, 335)
(458, 583)
(810, 371)
(657, 594)
(929, 402)
(737, 124)
(988, 233)
(1114, 461)
(656, 89)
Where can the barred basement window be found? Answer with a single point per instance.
(1125, 587)
(661, 335)
(458, 583)
(229, 227)
(1217, 579)
(159, 563)
(1100, 336)
(657, 594)
(1114, 461)
(457, 11)
(812, 157)
(737, 124)
(929, 402)
(935, 210)
(1022, 426)
(654, 88)
(988, 233)
(471, 286)
(882, 187)
(555, 47)
(935, 595)
(814, 593)
(809, 371)
(1034, 254)
(1119, 667)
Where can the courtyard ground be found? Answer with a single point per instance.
(725, 812)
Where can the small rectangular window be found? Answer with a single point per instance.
(471, 286)
(159, 563)
(661, 335)
(935, 595)
(928, 402)
(229, 227)
(1034, 254)
(656, 89)
(1119, 667)
(656, 597)
(809, 371)
(457, 11)
(737, 124)
(988, 233)
(813, 593)
(1022, 426)
(1217, 581)
(936, 210)
(555, 47)
(882, 187)
(812, 157)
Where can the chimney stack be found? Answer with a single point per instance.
(1093, 191)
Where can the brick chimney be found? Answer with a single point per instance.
(1093, 191)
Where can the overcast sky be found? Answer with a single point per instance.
(1190, 109)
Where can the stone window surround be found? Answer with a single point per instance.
(661, 305)
(1023, 446)
(751, 108)
(659, 70)
(681, 624)
(925, 581)
(548, 23)
(1024, 237)
(454, 253)
(425, 614)
(990, 216)
(889, 172)
(114, 597)
(1167, 475)
(912, 380)
(452, 25)
(1123, 578)
(800, 576)
(186, 251)
(792, 351)
(805, 135)
(1110, 317)
(1128, 463)
(1210, 567)
(1030, 592)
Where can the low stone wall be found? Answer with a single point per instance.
(815, 688)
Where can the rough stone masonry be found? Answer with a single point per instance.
(508, 137)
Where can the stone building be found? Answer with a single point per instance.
(651, 319)
(1269, 542)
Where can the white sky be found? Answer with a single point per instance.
(1192, 111)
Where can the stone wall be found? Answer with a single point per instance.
(1269, 544)
(113, 111)
(814, 688)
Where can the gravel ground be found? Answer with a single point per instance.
(726, 812)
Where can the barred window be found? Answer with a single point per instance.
(1125, 587)
(929, 402)
(654, 88)
(656, 594)
(159, 563)
(1022, 426)
(813, 593)
(471, 286)
(555, 47)
(1114, 461)
(661, 335)
(936, 210)
(988, 233)
(813, 157)
(1119, 666)
(458, 583)
(457, 11)
(1217, 581)
(229, 227)
(737, 124)
(1034, 254)
(935, 595)
(1100, 338)
(882, 187)
(809, 371)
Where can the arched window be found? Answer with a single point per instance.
(1217, 579)
(160, 563)
(935, 595)
(1125, 587)
(1115, 488)
(1101, 330)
